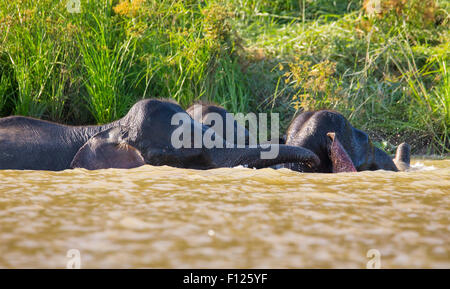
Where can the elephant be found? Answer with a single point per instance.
(143, 136)
(203, 112)
(339, 146)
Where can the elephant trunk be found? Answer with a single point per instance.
(252, 157)
(403, 157)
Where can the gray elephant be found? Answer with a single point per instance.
(339, 145)
(143, 136)
(337, 158)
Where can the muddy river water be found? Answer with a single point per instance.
(163, 217)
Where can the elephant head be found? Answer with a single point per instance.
(312, 129)
(207, 114)
(149, 128)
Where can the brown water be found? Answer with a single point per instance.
(225, 218)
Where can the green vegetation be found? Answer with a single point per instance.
(383, 64)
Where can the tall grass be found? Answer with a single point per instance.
(93, 65)
(387, 72)
(107, 58)
(34, 58)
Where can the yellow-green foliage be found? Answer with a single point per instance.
(315, 85)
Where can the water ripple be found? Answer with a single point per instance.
(172, 218)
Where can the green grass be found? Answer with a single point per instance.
(387, 74)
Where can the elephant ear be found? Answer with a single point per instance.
(107, 150)
(339, 157)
